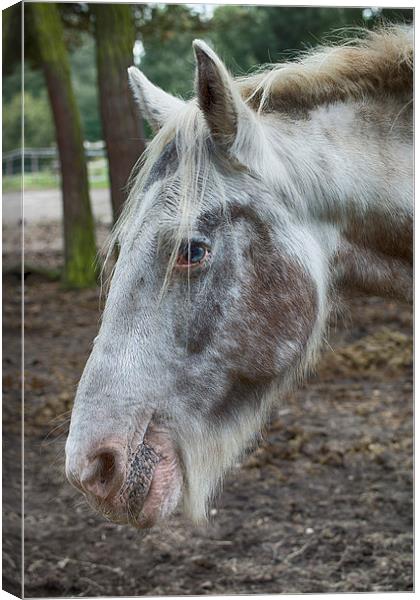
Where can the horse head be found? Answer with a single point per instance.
(218, 301)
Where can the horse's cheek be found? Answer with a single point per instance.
(279, 312)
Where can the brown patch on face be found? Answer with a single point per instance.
(281, 301)
(268, 335)
(249, 326)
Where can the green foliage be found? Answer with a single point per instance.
(167, 32)
(245, 36)
(39, 128)
(263, 35)
(398, 14)
(12, 38)
(34, 83)
(12, 124)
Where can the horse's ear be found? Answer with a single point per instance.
(156, 106)
(217, 95)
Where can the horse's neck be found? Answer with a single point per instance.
(353, 167)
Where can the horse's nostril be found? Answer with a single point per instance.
(106, 467)
(103, 476)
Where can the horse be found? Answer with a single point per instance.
(258, 204)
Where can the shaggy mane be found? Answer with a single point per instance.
(376, 63)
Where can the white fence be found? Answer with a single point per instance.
(34, 159)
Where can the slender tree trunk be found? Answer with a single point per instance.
(121, 123)
(79, 233)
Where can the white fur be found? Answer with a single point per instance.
(308, 179)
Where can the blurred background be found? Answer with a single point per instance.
(325, 504)
(79, 119)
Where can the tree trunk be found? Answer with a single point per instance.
(121, 122)
(79, 233)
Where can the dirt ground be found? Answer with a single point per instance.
(324, 504)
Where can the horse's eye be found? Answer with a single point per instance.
(192, 254)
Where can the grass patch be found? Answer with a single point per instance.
(48, 180)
